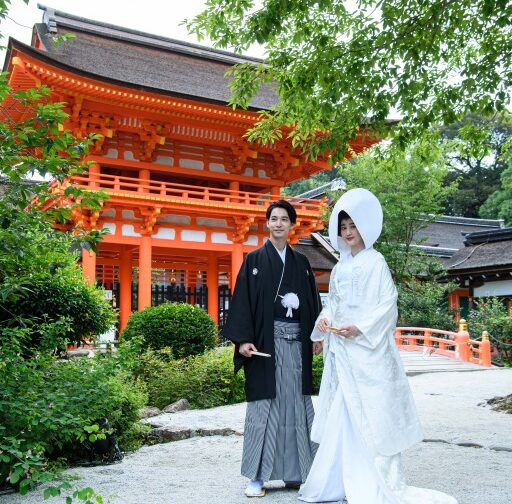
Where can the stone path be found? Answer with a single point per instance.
(467, 452)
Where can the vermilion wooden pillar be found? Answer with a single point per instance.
(212, 282)
(89, 265)
(125, 280)
(275, 191)
(237, 258)
(94, 174)
(144, 176)
(144, 272)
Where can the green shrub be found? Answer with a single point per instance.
(61, 297)
(491, 315)
(424, 304)
(48, 406)
(205, 380)
(187, 329)
(318, 368)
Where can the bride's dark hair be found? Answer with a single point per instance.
(341, 217)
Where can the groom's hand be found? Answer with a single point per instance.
(246, 349)
(317, 347)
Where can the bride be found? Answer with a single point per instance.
(366, 414)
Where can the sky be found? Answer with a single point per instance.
(159, 17)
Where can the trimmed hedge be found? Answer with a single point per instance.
(185, 328)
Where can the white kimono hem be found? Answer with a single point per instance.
(344, 469)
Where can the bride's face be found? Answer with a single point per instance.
(351, 236)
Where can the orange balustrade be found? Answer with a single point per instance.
(191, 194)
(456, 345)
(135, 192)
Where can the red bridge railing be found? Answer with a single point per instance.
(456, 345)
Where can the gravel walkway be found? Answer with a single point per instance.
(468, 452)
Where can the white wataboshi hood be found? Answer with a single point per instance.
(365, 210)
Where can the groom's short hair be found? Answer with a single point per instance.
(292, 214)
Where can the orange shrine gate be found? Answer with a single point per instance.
(187, 193)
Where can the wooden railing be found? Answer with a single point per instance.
(188, 193)
(456, 345)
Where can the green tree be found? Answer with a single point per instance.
(499, 203)
(411, 188)
(337, 65)
(32, 146)
(301, 186)
(478, 157)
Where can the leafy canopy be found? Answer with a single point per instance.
(479, 152)
(338, 65)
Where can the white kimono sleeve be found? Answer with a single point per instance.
(326, 312)
(377, 321)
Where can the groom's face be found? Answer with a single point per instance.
(279, 223)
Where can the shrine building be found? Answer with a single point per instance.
(187, 191)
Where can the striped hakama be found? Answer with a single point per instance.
(277, 443)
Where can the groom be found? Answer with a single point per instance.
(273, 310)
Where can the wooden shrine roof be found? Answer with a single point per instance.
(496, 255)
(484, 253)
(141, 60)
(319, 257)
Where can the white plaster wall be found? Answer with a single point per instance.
(165, 233)
(110, 226)
(165, 160)
(217, 167)
(498, 288)
(128, 230)
(251, 240)
(175, 219)
(192, 163)
(220, 238)
(129, 215)
(109, 213)
(193, 235)
(209, 222)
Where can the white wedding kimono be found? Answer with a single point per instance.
(365, 414)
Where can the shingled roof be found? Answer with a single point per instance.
(142, 60)
(493, 254)
(448, 232)
(318, 251)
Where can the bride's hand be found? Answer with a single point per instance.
(323, 325)
(350, 331)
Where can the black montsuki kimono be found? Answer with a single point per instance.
(251, 317)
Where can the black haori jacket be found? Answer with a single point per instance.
(251, 317)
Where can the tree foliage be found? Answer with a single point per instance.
(490, 314)
(411, 188)
(424, 304)
(499, 203)
(303, 185)
(479, 153)
(337, 65)
(47, 406)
